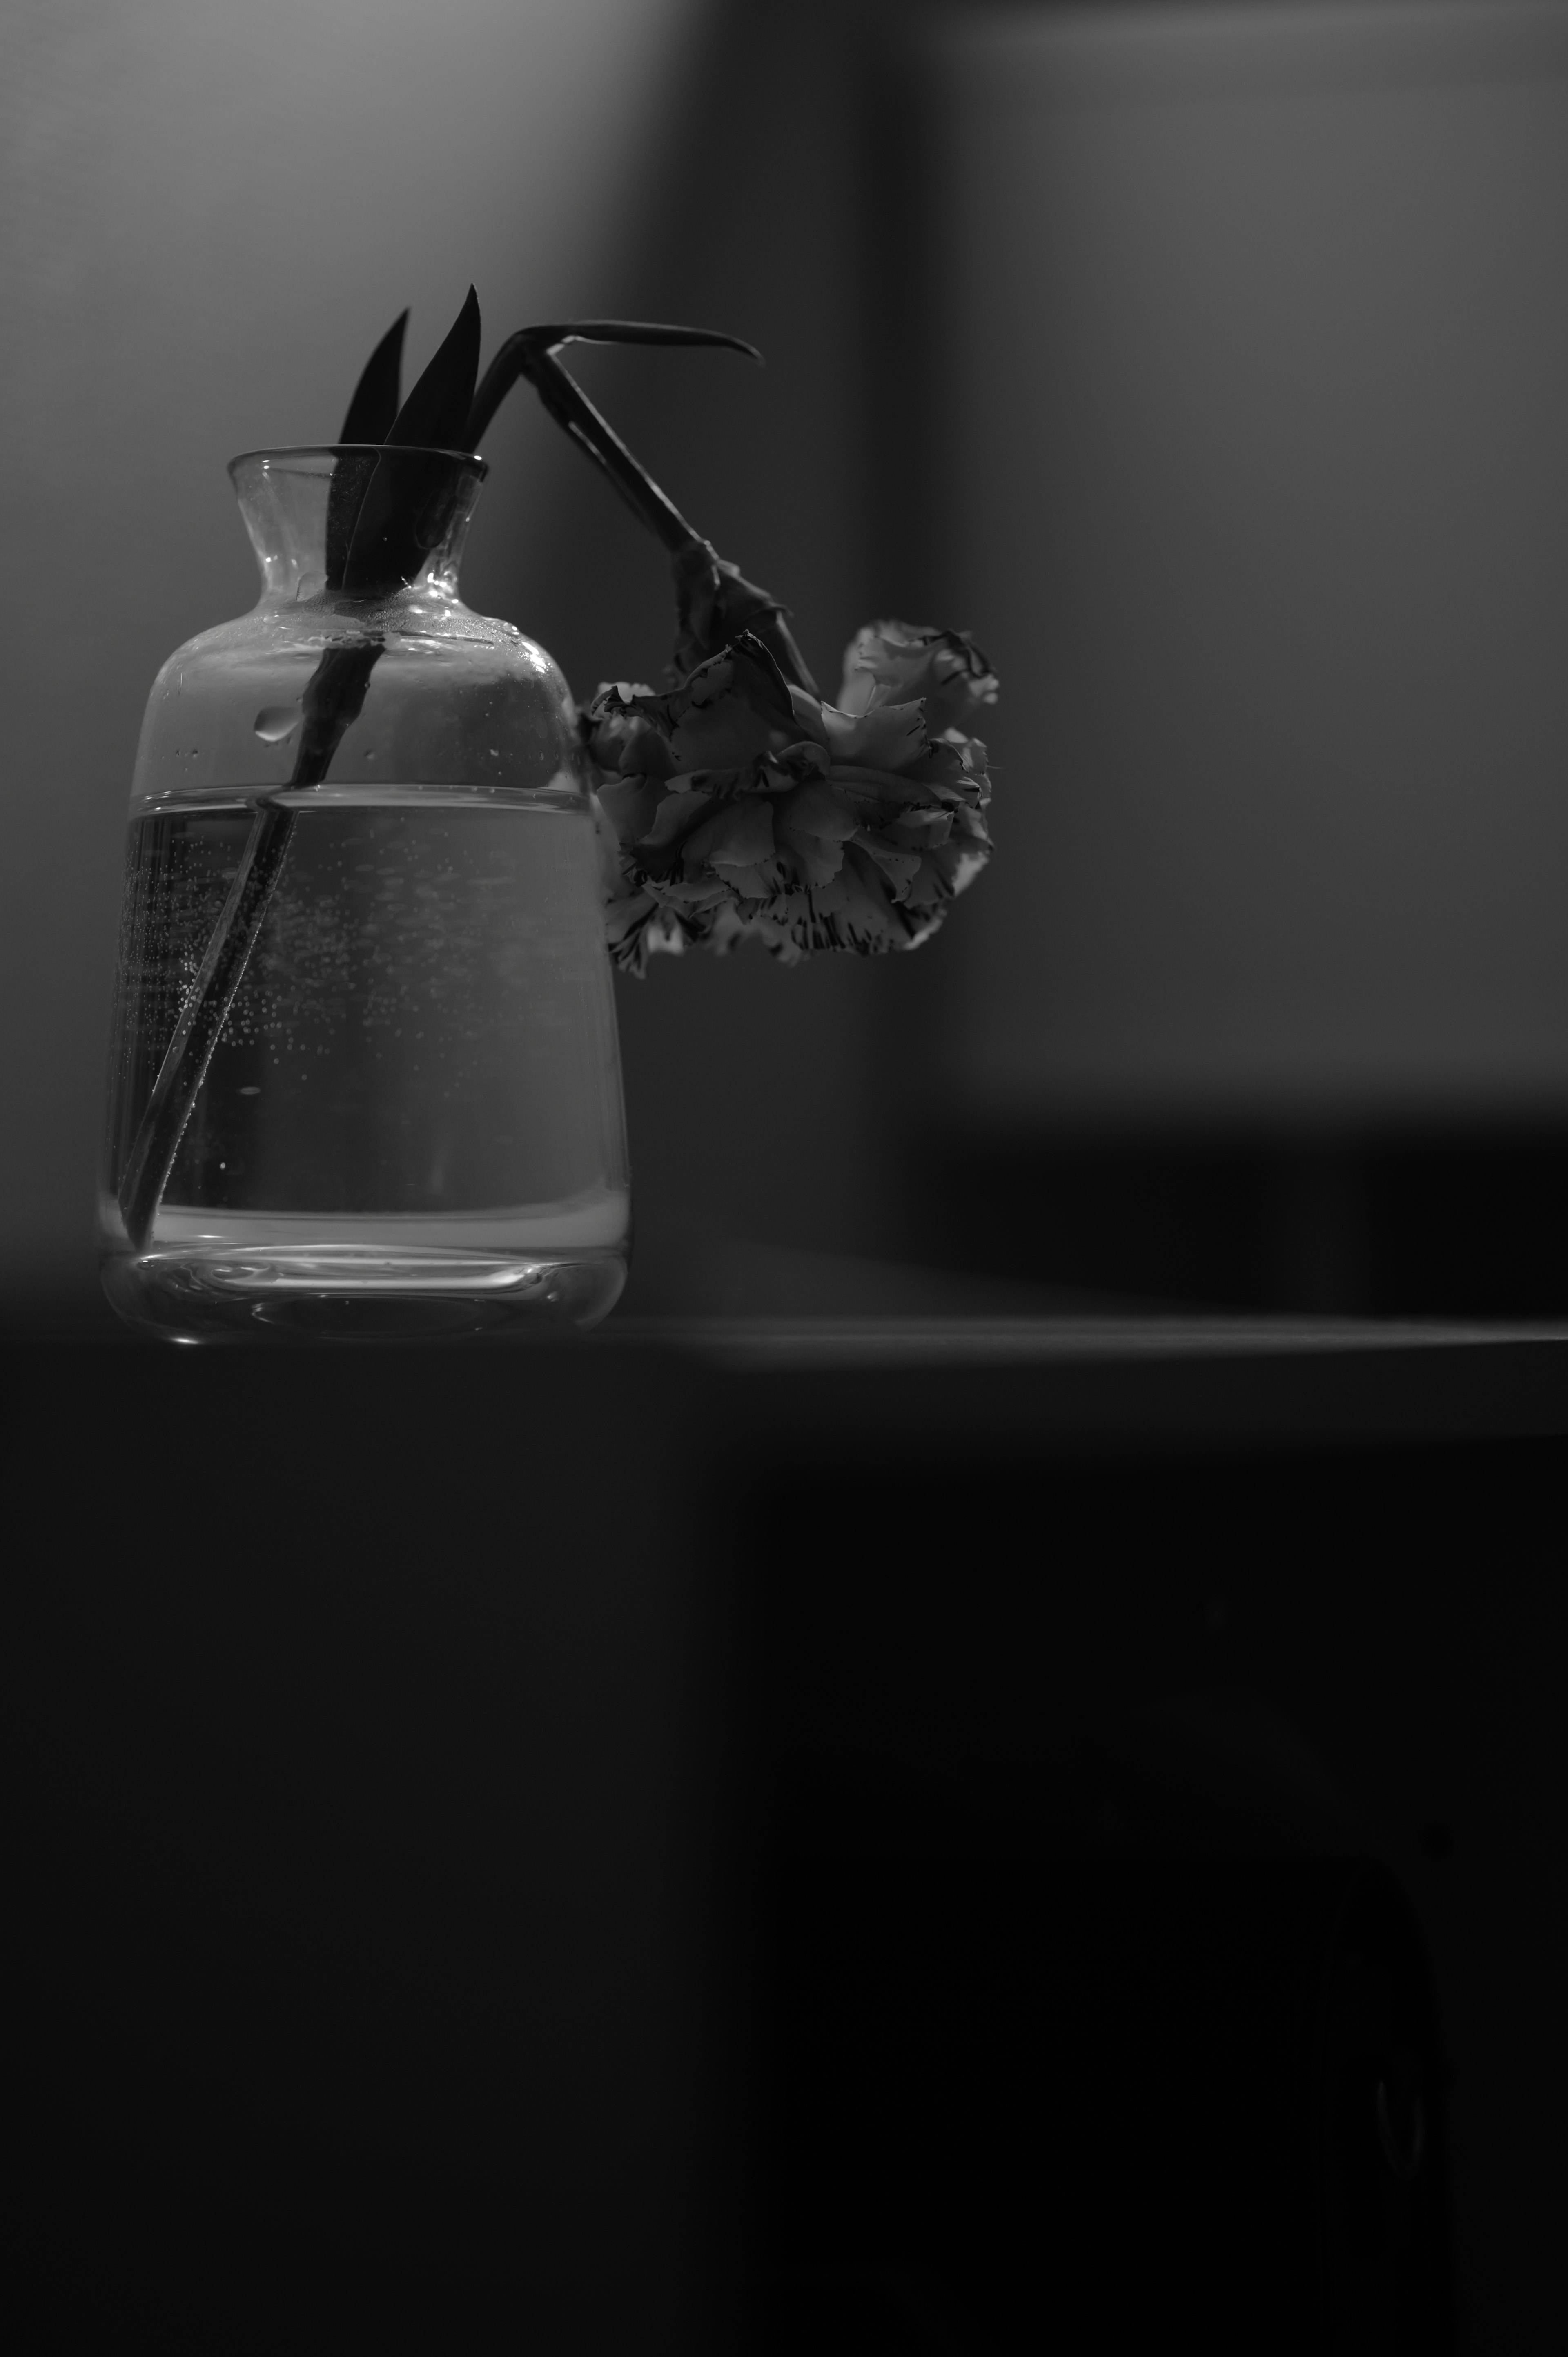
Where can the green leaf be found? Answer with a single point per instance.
(386, 488)
(435, 414)
(375, 403)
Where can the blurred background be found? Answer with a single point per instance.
(1210, 363)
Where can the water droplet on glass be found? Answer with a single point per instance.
(274, 722)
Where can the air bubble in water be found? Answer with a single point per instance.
(274, 722)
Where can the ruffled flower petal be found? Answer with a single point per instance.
(899, 867)
(818, 811)
(681, 810)
(921, 829)
(890, 736)
(737, 845)
(744, 809)
(619, 734)
(894, 663)
(809, 713)
(628, 806)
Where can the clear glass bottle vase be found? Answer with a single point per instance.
(364, 1072)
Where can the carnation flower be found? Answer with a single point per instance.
(744, 807)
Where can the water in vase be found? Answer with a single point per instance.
(419, 1073)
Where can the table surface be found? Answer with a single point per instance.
(1078, 1378)
(1071, 1338)
(1140, 1378)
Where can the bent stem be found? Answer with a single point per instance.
(332, 702)
(714, 604)
(530, 353)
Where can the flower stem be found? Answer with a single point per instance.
(714, 604)
(332, 702)
(530, 353)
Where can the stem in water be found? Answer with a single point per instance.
(332, 702)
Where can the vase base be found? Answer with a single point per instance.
(337, 1293)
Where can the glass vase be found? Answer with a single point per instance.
(364, 1073)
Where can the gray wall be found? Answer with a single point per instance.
(1254, 325)
(1209, 364)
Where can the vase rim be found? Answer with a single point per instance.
(470, 459)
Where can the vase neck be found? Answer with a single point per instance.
(359, 520)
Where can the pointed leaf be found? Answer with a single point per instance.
(375, 403)
(435, 414)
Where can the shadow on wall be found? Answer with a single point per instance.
(752, 1105)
